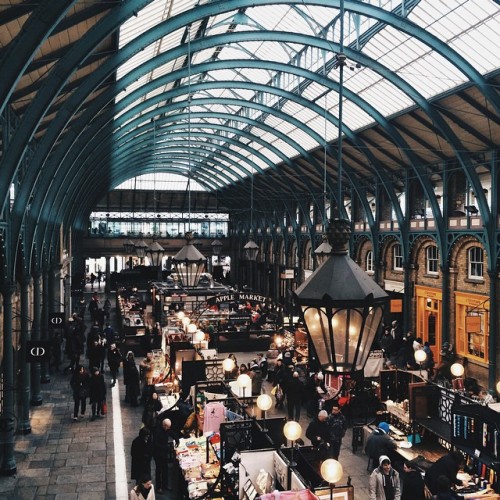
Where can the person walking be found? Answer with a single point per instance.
(294, 392)
(80, 385)
(143, 490)
(131, 380)
(97, 393)
(337, 425)
(384, 481)
(164, 438)
(114, 359)
(107, 308)
(141, 452)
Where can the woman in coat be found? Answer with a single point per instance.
(142, 453)
(131, 380)
(114, 359)
(144, 490)
(80, 385)
(97, 392)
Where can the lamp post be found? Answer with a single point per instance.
(189, 263)
(228, 366)
(342, 306)
(216, 251)
(420, 357)
(264, 403)
(155, 253)
(199, 337)
(292, 431)
(251, 250)
(331, 472)
(457, 370)
(244, 381)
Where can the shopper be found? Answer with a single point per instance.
(151, 408)
(131, 380)
(384, 481)
(144, 490)
(163, 451)
(80, 386)
(337, 425)
(294, 393)
(146, 370)
(413, 485)
(448, 466)
(379, 443)
(141, 452)
(318, 433)
(114, 359)
(97, 392)
(444, 491)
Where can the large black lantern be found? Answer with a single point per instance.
(323, 251)
(140, 249)
(129, 246)
(189, 263)
(155, 253)
(342, 307)
(251, 249)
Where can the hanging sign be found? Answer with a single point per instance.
(56, 320)
(38, 351)
(237, 297)
(473, 324)
(396, 306)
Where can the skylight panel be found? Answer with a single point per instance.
(304, 140)
(386, 98)
(284, 147)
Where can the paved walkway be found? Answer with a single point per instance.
(66, 460)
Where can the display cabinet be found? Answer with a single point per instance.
(475, 432)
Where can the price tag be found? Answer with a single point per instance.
(477, 453)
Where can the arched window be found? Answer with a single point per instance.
(432, 259)
(475, 263)
(397, 262)
(370, 268)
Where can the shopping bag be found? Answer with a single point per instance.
(274, 389)
(104, 408)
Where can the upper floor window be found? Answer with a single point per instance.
(476, 263)
(397, 263)
(432, 261)
(370, 268)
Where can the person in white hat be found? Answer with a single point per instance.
(384, 481)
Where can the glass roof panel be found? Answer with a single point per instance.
(469, 27)
(160, 181)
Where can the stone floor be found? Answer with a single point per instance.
(65, 460)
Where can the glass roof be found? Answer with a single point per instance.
(277, 106)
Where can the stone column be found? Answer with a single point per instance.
(107, 287)
(23, 423)
(7, 420)
(36, 397)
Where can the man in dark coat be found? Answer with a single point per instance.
(163, 451)
(413, 483)
(318, 433)
(448, 466)
(97, 392)
(114, 359)
(337, 425)
(294, 392)
(379, 443)
(141, 452)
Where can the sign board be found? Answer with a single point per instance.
(237, 297)
(288, 274)
(396, 305)
(56, 320)
(473, 324)
(38, 351)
